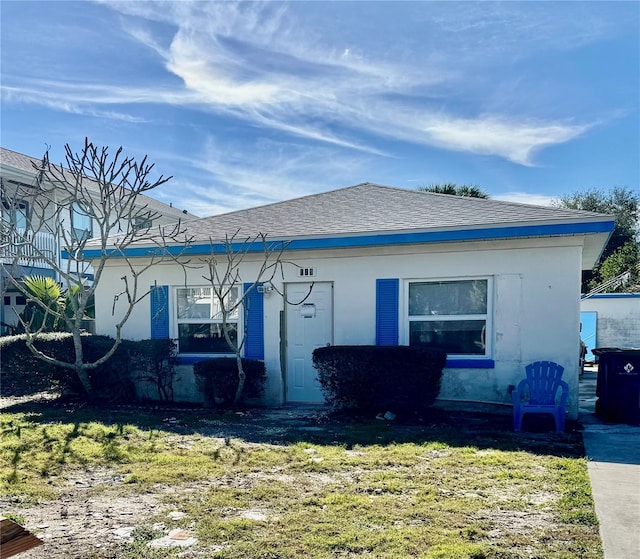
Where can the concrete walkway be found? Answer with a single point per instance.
(613, 451)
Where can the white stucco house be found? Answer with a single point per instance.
(494, 284)
(610, 320)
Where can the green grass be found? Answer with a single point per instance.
(458, 486)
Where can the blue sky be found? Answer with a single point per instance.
(250, 103)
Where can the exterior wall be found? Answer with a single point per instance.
(618, 319)
(535, 311)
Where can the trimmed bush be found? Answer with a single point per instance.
(379, 378)
(25, 373)
(217, 378)
(153, 361)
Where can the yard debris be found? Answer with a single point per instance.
(253, 515)
(15, 539)
(175, 538)
(124, 532)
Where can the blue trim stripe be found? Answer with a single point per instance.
(470, 363)
(193, 359)
(613, 296)
(159, 295)
(355, 241)
(387, 297)
(254, 324)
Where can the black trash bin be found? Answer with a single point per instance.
(618, 385)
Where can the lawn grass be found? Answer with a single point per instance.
(455, 486)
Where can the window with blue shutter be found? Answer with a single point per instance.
(387, 303)
(159, 311)
(254, 326)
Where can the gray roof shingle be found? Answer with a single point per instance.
(370, 208)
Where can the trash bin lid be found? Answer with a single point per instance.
(623, 350)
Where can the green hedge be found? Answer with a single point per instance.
(217, 378)
(23, 372)
(379, 378)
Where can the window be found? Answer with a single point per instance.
(15, 213)
(141, 223)
(450, 315)
(81, 225)
(199, 320)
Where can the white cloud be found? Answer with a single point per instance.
(263, 63)
(229, 180)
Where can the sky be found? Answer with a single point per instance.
(249, 103)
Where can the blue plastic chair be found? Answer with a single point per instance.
(544, 379)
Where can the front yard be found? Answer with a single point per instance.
(102, 483)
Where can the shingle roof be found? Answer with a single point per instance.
(370, 208)
(24, 163)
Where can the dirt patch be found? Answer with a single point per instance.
(97, 512)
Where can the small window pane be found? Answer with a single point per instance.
(194, 303)
(205, 338)
(200, 303)
(448, 298)
(81, 224)
(458, 337)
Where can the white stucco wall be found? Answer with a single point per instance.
(617, 319)
(535, 311)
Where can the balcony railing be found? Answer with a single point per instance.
(25, 248)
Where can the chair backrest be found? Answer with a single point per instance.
(544, 379)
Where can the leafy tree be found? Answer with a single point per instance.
(468, 190)
(622, 253)
(110, 191)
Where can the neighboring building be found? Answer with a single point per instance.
(610, 320)
(19, 174)
(494, 284)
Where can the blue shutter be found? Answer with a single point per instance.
(159, 311)
(254, 325)
(387, 294)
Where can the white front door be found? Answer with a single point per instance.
(309, 325)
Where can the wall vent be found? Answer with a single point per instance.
(306, 272)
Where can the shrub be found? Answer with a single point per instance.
(379, 378)
(112, 381)
(153, 361)
(217, 378)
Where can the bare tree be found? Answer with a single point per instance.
(226, 283)
(95, 201)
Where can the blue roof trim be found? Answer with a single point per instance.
(356, 241)
(470, 364)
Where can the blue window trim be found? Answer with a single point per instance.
(462, 363)
(254, 322)
(159, 307)
(193, 359)
(355, 241)
(387, 309)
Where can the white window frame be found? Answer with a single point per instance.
(488, 317)
(175, 321)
